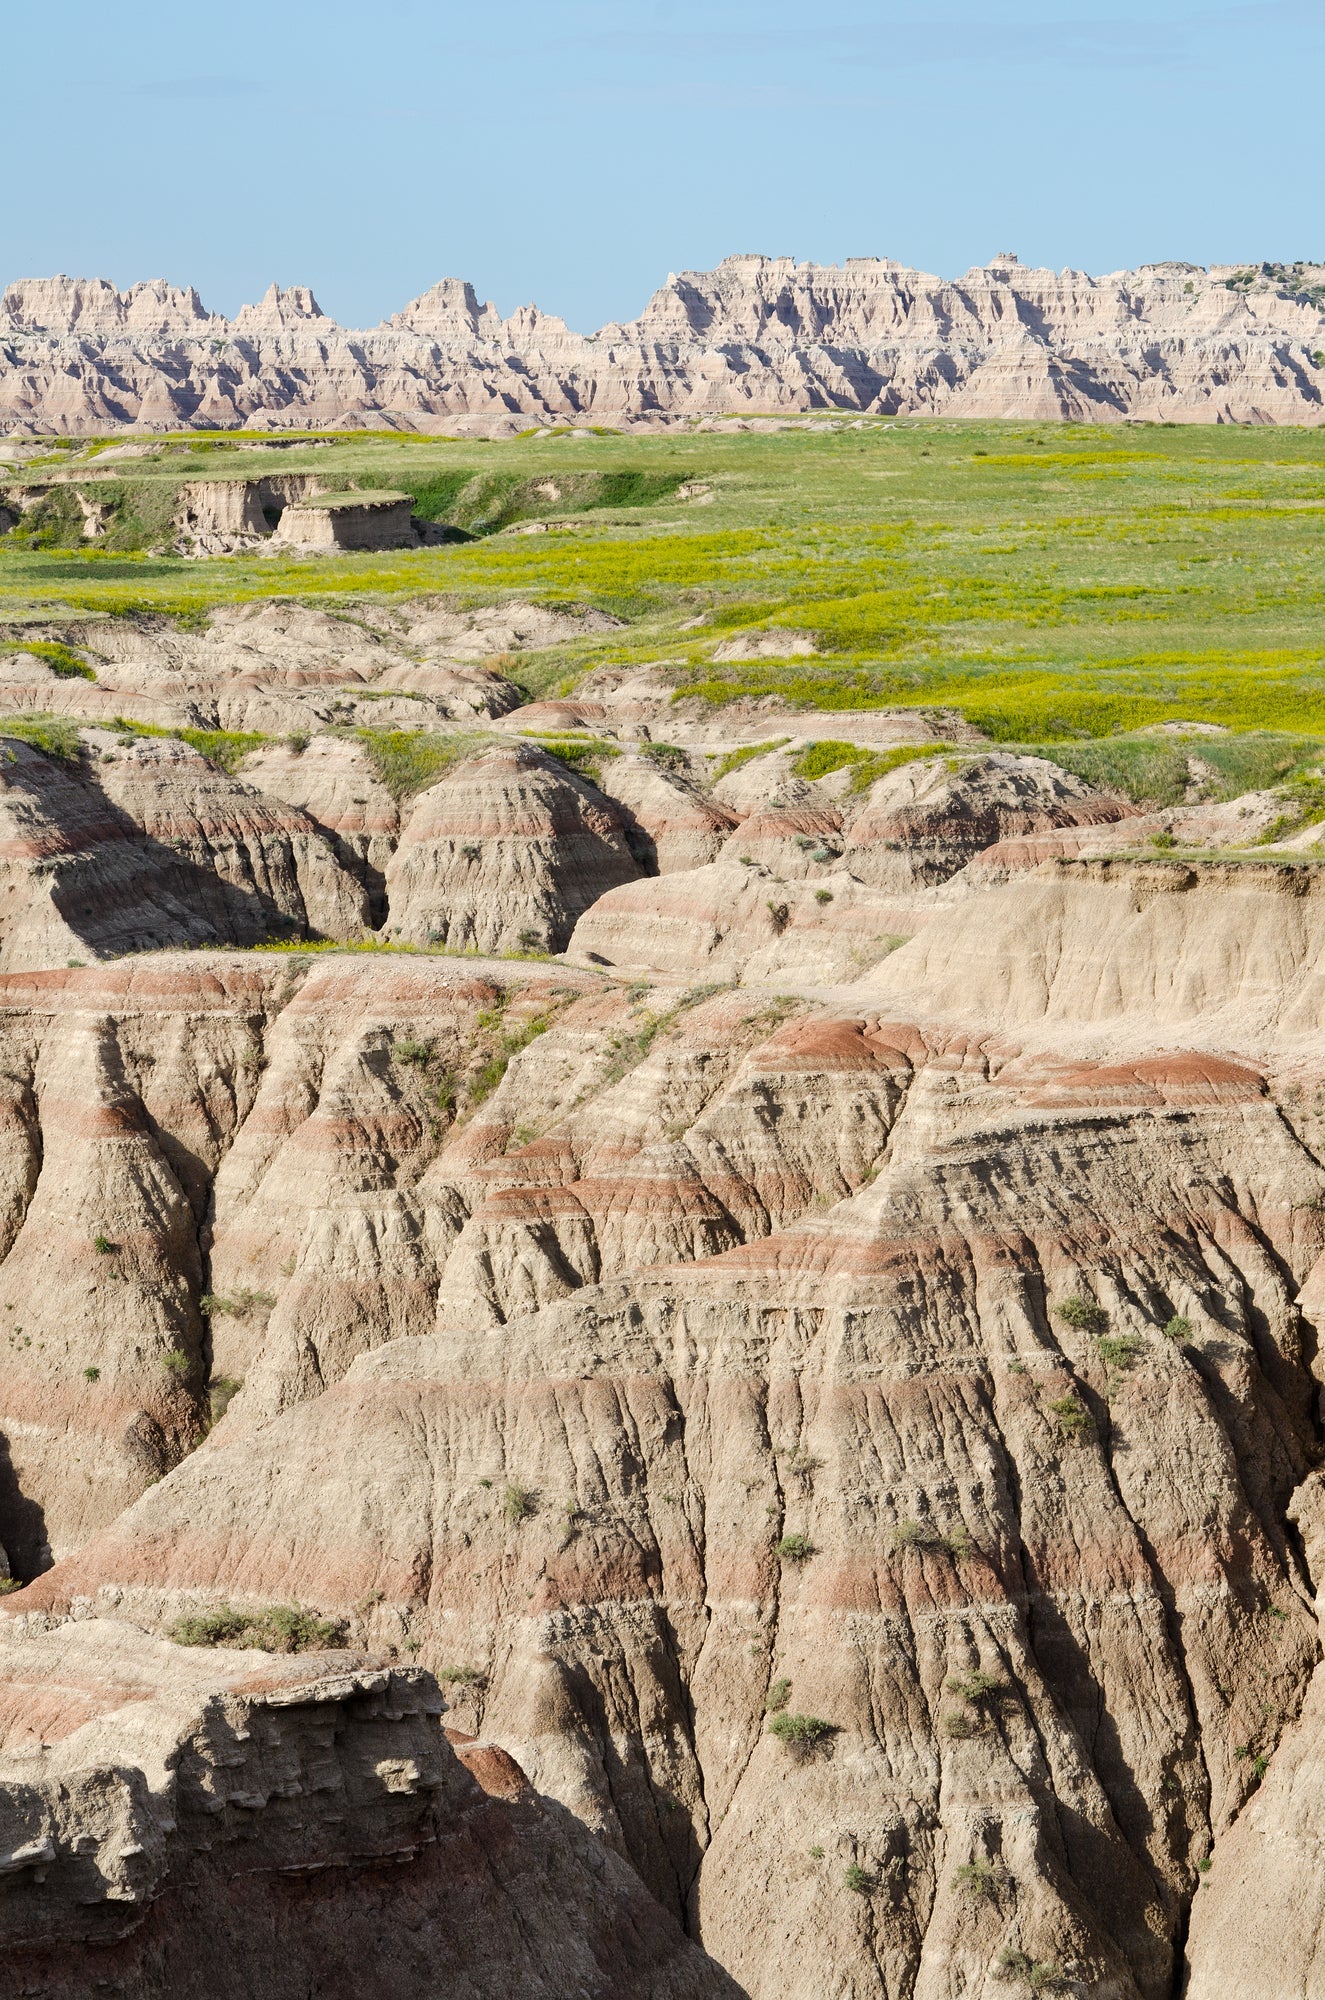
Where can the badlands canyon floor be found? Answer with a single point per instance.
(662, 1215)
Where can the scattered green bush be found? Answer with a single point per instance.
(276, 1628)
(1083, 1313)
(1118, 1350)
(221, 1392)
(795, 1548)
(61, 659)
(779, 1694)
(858, 1880)
(489, 1075)
(103, 1245)
(817, 760)
(409, 760)
(801, 1732)
(667, 755)
(733, 759)
(518, 1503)
(212, 1306)
(51, 734)
(176, 1363)
(471, 1677)
(1178, 1328)
(1074, 1419)
(1041, 1975)
(91, 1374)
(979, 1879)
(979, 1688)
(415, 1055)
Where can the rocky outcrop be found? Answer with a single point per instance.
(672, 822)
(327, 1785)
(984, 1465)
(148, 844)
(922, 823)
(505, 855)
(844, 1420)
(333, 780)
(280, 667)
(743, 922)
(761, 334)
(348, 521)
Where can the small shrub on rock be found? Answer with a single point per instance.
(1118, 1350)
(980, 1880)
(1040, 1975)
(277, 1628)
(795, 1548)
(801, 1733)
(1178, 1328)
(779, 1694)
(979, 1689)
(858, 1879)
(176, 1363)
(913, 1534)
(1074, 1419)
(517, 1503)
(1084, 1314)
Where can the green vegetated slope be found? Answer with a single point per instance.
(1047, 582)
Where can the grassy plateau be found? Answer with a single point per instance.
(1048, 583)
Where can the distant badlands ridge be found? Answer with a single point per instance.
(759, 336)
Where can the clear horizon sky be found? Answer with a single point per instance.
(573, 152)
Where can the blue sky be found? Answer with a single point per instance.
(575, 151)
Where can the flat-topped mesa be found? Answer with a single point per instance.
(760, 334)
(349, 521)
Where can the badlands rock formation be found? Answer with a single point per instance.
(329, 1789)
(758, 334)
(822, 1375)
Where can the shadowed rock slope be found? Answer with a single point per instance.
(140, 1783)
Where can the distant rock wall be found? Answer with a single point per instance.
(757, 335)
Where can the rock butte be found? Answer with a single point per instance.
(763, 335)
(794, 1424)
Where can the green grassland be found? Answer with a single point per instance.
(1048, 583)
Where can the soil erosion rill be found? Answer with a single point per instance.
(662, 1189)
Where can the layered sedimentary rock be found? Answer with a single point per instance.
(327, 1786)
(505, 855)
(147, 844)
(280, 667)
(962, 1412)
(760, 334)
(837, 1404)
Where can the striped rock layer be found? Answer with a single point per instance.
(762, 334)
(932, 1366)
